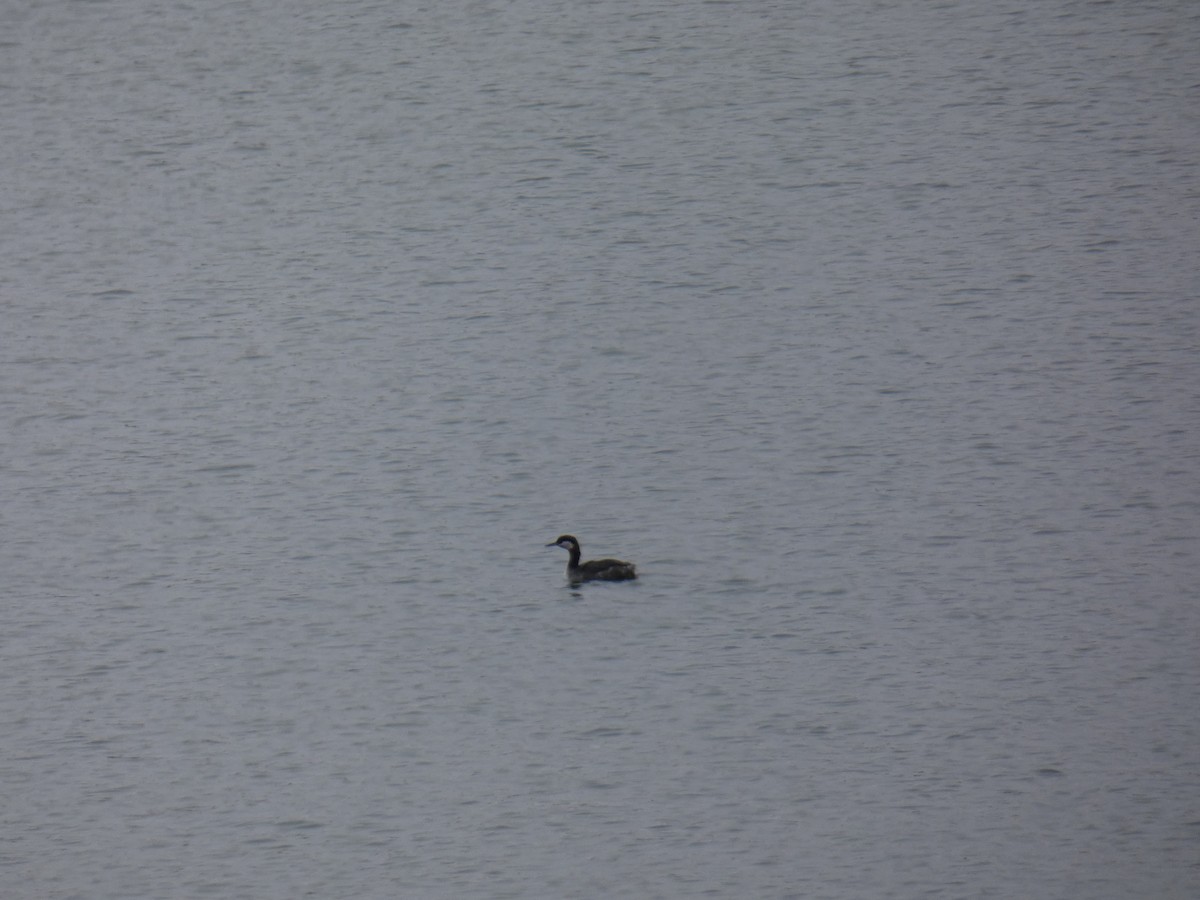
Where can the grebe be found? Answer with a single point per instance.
(593, 569)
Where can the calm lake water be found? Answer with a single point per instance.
(868, 330)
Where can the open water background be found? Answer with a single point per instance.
(868, 330)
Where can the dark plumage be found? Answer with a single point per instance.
(593, 569)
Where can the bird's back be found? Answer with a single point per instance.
(606, 570)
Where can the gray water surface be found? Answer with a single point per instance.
(867, 330)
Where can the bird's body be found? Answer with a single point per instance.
(593, 569)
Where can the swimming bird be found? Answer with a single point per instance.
(593, 569)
